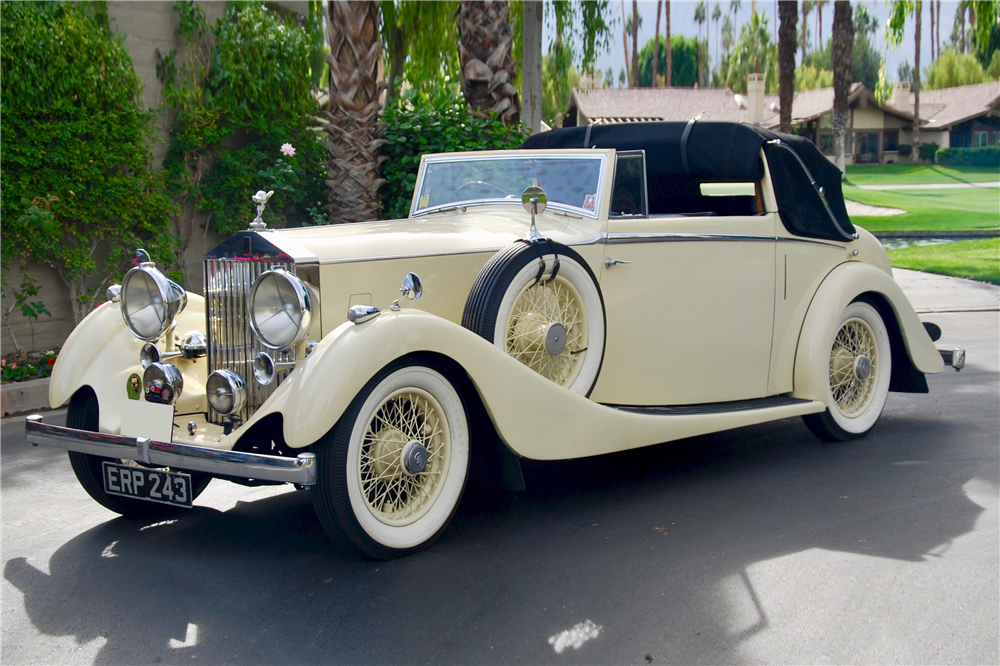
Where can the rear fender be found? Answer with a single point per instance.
(101, 353)
(843, 285)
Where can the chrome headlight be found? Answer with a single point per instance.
(227, 391)
(150, 301)
(280, 309)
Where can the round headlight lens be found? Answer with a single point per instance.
(280, 309)
(226, 391)
(150, 301)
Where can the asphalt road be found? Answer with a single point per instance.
(756, 545)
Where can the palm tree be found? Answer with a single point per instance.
(656, 41)
(636, 20)
(818, 4)
(918, 8)
(727, 34)
(353, 129)
(625, 31)
(807, 6)
(486, 57)
(843, 74)
(670, 51)
(716, 15)
(734, 6)
(700, 16)
(788, 15)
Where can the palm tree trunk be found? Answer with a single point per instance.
(917, 11)
(788, 16)
(932, 32)
(843, 73)
(635, 43)
(805, 22)
(485, 54)
(353, 128)
(628, 70)
(670, 51)
(656, 41)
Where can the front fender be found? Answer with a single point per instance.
(844, 284)
(101, 353)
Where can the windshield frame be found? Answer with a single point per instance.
(599, 156)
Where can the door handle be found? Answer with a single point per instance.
(609, 262)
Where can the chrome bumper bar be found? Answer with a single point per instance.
(300, 470)
(953, 357)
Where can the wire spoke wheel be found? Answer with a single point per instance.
(854, 346)
(553, 325)
(536, 307)
(857, 375)
(394, 494)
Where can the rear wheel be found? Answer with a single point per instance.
(83, 414)
(859, 369)
(392, 471)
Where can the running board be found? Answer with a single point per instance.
(715, 407)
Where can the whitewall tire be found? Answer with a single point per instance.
(554, 325)
(858, 374)
(392, 471)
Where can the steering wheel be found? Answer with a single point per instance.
(482, 184)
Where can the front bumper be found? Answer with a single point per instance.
(300, 470)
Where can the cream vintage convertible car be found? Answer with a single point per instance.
(600, 289)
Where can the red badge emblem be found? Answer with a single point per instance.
(588, 203)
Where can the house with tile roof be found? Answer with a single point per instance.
(877, 133)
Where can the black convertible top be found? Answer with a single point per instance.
(680, 154)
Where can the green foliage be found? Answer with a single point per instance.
(993, 71)
(244, 90)
(954, 69)
(684, 53)
(439, 122)
(988, 156)
(30, 310)
(556, 90)
(753, 49)
(77, 180)
(975, 259)
(928, 150)
(867, 59)
(810, 78)
(420, 40)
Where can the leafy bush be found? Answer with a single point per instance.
(988, 156)
(77, 181)
(928, 150)
(438, 122)
(243, 92)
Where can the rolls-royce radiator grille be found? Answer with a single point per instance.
(231, 343)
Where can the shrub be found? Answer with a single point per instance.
(77, 181)
(928, 150)
(243, 92)
(437, 122)
(988, 156)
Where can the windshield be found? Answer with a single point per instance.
(568, 181)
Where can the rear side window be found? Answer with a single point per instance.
(686, 196)
(628, 198)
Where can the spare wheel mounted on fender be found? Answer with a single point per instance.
(540, 302)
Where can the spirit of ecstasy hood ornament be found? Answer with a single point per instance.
(261, 200)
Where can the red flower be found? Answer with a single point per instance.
(52, 361)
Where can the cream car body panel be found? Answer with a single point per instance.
(102, 353)
(694, 281)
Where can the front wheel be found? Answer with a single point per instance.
(392, 471)
(83, 414)
(858, 376)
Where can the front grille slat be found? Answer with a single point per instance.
(232, 344)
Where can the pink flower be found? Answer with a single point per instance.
(13, 366)
(288, 150)
(3, 363)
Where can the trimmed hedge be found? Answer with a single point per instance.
(988, 156)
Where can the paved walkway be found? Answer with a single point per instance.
(929, 293)
(927, 186)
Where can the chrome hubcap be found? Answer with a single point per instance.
(555, 339)
(414, 458)
(862, 368)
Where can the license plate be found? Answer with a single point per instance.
(152, 485)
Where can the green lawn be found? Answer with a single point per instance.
(918, 174)
(931, 210)
(975, 259)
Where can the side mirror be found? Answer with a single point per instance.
(412, 288)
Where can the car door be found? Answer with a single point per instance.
(689, 295)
